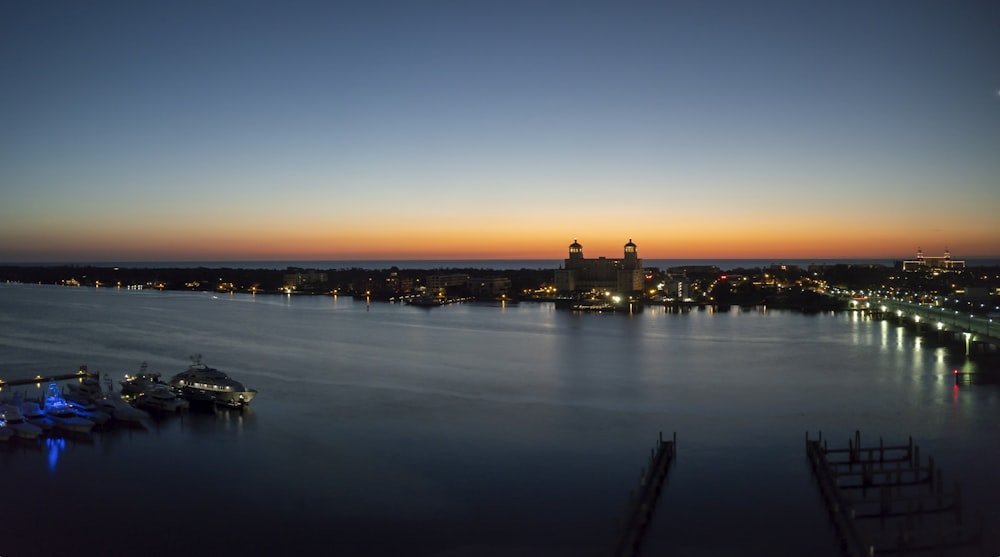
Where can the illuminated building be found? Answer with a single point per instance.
(442, 282)
(924, 263)
(580, 274)
(304, 278)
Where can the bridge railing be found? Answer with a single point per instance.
(940, 317)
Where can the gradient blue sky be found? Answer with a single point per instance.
(182, 130)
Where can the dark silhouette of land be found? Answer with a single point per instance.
(970, 290)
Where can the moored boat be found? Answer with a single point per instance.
(66, 419)
(81, 405)
(13, 418)
(87, 390)
(122, 411)
(201, 383)
(135, 385)
(34, 415)
(63, 415)
(88, 396)
(161, 400)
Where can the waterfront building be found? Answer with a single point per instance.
(304, 278)
(442, 282)
(933, 264)
(489, 287)
(580, 274)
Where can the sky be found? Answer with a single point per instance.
(295, 130)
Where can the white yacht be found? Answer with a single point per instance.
(34, 415)
(90, 411)
(83, 406)
(88, 389)
(161, 400)
(121, 410)
(15, 421)
(201, 383)
(65, 416)
(135, 385)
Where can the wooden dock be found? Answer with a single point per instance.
(641, 504)
(39, 379)
(883, 500)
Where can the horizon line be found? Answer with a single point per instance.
(461, 259)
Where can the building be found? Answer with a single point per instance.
(579, 274)
(932, 264)
(442, 282)
(489, 287)
(304, 278)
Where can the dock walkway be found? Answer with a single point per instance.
(884, 501)
(642, 503)
(38, 379)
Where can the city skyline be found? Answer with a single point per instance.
(444, 130)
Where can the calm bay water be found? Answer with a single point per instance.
(469, 429)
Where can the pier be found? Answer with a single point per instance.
(884, 500)
(641, 504)
(39, 379)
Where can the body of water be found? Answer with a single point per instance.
(479, 430)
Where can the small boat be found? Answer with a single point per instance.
(201, 383)
(15, 421)
(161, 400)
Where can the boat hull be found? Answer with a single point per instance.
(232, 399)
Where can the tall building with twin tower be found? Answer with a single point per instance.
(580, 274)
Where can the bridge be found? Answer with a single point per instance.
(979, 334)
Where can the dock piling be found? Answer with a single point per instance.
(859, 483)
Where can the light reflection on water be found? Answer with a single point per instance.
(55, 445)
(385, 429)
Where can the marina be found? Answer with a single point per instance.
(81, 406)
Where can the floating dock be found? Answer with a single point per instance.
(883, 500)
(642, 503)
